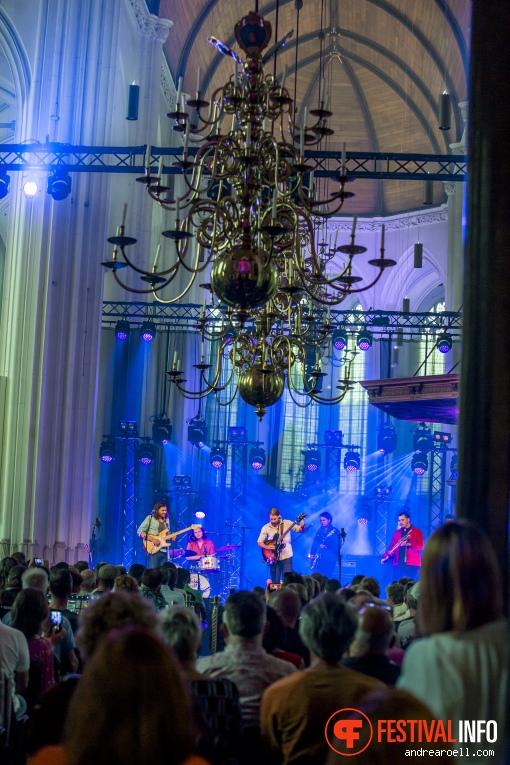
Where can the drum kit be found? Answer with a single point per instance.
(209, 565)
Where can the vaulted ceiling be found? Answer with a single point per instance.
(385, 63)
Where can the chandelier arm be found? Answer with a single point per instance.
(174, 300)
(225, 403)
(139, 291)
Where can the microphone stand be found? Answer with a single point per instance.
(241, 566)
(341, 541)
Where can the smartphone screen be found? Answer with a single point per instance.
(273, 587)
(56, 620)
(38, 561)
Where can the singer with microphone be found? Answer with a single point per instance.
(153, 532)
(404, 550)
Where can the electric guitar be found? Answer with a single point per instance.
(165, 538)
(402, 541)
(318, 555)
(271, 553)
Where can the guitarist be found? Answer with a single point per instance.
(149, 529)
(405, 546)
(324, 551)
(269, 535)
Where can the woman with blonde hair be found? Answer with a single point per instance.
(460, 667)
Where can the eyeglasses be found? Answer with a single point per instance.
(368, 604)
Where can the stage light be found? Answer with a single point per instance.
(218, 457)
(257, 457)
(4, 184)
(441, 437)
(387, 439)
(161, 429)
(364, 517)
(200, 515)
(339, 339)
(197, 431)
(30, 189)
(312, 460)
(364, 340)
(352, 462)
(422, 439)
(128, 428)
(182, 482)
(122, 329)
(59, 185)
(237, 434)
(444, 343)
(333, 438)
(148, 331)
(146, 453)
(107, 450)
(419, 463)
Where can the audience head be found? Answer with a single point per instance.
(136, 570)
(332, 585)
(152, 578)
(260, 591)
(36, 578)
(412, 596)
(182, 632)
(301, 591)
(361, 597)
(5, 566)
(347, 593)
(310, 587)
(395, 594)
(287, 605)
(61, 583)
(371, 585)
(20, 559)
(183, 577)
(81, 565)
(374, 632)
(59, 566)
(145, 714)
(327, 627)
(76, 578)
(110, 612)
(357, 579)
(460, 580)
(244, 615)
(106, 576)
(88, 581)
(29, 611)
(291, 577)
(125, 583)
(14, 577)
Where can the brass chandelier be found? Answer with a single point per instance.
(252, 220)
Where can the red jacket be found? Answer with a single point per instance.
(412, 555)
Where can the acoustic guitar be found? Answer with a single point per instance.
(166, 537)
(271, 553)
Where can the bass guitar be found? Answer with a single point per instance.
(274, 547)
(165, 537)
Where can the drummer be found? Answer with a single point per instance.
(198, 545)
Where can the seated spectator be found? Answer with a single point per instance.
(77, 580)
(136, 570)
(183, 579)
(371, 585)
(106, 575)
(294, 710)
(15, 663)
(121, 570)
(125, 583)
(144, 715)
(244, 661)
(14, 577)
(460, 667)
(373, 637)
(320, 579)
(310, 585)
(81, 566)
(361, 598)
(5, 566)
(274, 637)
(356, 581)
(347, 593)
(395, 599)
(30, 616)
(61, 587)
(292, 577)
(259, 591)
(216, 700)
(301, 591)
(406, 630)
(88, 582)
(172, 596)
(20, 558)
(287, 606)
(332, 585)
(151, 582)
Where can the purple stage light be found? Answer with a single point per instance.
(419, 470)
(146, 460)
(107, 458)
(148, 331)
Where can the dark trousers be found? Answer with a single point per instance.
(278, 569)
(157, 559)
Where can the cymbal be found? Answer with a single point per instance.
(227, 548)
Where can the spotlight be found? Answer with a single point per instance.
(4, 184)
(218, 457)
(312, 460)
(161, 429)
(333, 438)
(197, 431)
(128, 428)
(339, 340)
(444, 343)
(30, 189)
(257, 457)
(363, 516)
(59, 184)
(122, 329)
(352, 462)
(182, 482)
(107, 450)
(419, 463)
(387, 439)
(237, 434)
(200, 514)
(146, 454)
(364, 340)
(148, 331)
(422, 439)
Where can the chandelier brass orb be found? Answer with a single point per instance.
(261, 387)
(243, 277)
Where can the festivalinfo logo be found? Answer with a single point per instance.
(349, 732)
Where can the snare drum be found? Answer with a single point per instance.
(200, 583)
(209, 564)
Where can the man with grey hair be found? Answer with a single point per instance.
(244, 661)
(88, 582)
(36, 578)
(295, 710)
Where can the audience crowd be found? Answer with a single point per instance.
(103, 666)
